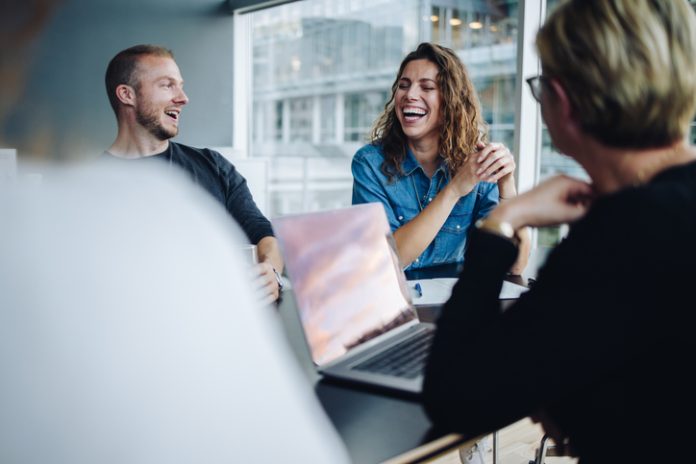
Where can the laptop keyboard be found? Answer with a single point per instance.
(405, 359)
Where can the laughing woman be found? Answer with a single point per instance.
(428, 164)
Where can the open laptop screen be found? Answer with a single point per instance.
(346, 276)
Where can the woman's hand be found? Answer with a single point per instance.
(496, 164)
(558, 200)
(492, 163)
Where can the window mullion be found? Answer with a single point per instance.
(528, 116)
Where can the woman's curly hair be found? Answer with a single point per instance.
(462, 123)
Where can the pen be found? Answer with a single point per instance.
(418, 289)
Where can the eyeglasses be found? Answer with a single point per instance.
(535, 85)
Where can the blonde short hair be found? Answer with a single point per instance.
(627, 66)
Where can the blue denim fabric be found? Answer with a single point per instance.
(406, 195)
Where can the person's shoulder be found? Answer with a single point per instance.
(657, 197)
(371, 153)
(207, 154)
(674, 185)
(646, 213)
(623, 205)
(670, 199)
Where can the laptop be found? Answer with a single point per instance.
(353, 301)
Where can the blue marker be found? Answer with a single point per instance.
(418, 289)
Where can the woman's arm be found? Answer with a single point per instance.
(524, 248)
(502, 162)
(492, 163)
(414, 237)
(472, 326)
(559, 199)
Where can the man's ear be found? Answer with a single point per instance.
(126, 94)
(565, 111)
(562, 101)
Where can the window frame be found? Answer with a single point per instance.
(527, 126)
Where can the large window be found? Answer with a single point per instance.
(322, 70)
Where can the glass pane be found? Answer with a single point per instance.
(322, 73)
(551, 162)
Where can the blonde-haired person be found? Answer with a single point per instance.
(606, 323)
(427, 163)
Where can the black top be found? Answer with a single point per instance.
(220, 178)
(602, 344)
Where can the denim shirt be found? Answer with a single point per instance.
(407, 195)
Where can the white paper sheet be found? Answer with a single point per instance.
(438, 291)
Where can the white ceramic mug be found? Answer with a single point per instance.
(251, 256)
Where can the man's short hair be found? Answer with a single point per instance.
(627, 66)
(122, 68)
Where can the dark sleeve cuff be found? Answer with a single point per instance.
(260, 232)
(489, 253)
(488, 259)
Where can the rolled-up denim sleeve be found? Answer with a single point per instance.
(487, 200)
(368, 187)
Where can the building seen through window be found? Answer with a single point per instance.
(323, 70)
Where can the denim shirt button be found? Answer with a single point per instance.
(416, 260)
(401, 218)
(430, 199)
(458, 226)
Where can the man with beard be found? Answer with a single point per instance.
(145, 89)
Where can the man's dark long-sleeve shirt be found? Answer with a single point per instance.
(220, 178)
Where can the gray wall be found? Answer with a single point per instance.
(63, 111)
